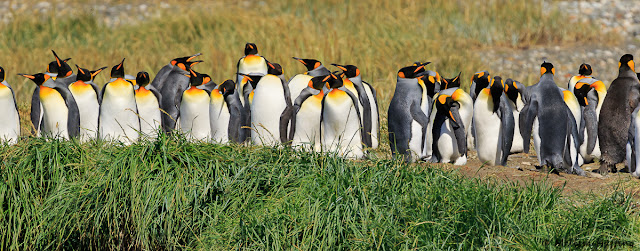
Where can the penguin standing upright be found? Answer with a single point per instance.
(613, 126)
(576, 111)
(52, 72)
(250, 64)
(118, 118)
(583, 72)
(174, 84)
(340, 121)
(249, 82)
(60, 116)
(515, 92)
(305, 119)
(590, 93)
(194, 119)
(87, 95)
(225, 113)
(448, 130)
(367, 99)
(148, 100)
(494, 124)
(407, 120)
(269, 99)
(547, 117)
(10, 124)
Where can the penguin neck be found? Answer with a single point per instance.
(627, 72)
(319, 71)
(546, 77)
(357, 80)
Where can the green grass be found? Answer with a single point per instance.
(171, 193)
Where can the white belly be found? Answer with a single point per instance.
(307, 131)
(194, 117)
(297, 84)
(415, 142)
(447, 144)
(375, 127)
(487, 126)
(10, 124)
(518, 143)
(150, 120)
(89, 109)
(536, 138)
(266, 108)
(55, 116)
(118, 115)
(220, 116)
(341, 127)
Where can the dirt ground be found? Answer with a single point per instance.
(521, 168)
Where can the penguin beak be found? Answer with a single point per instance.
(93, 74)
(300, 60)
(27, 76)
(270, 65)
(192, 57)
(120, 65)
(80, 69)
(417, 69)
(341, 67)
(58, 60)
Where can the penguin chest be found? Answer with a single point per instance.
(194, 114)
(219, 117)
(88, 107)
(118, 112)
(307, 130)
(267, 105)
(10, 124)
(297, 84)
(447, 143)
(55, 113)
(341, 125)
(149, 112)
(252, 64)
(487, 128)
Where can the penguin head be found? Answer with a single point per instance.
(118, 70)
(64, 70)
(38, 78)
(350, 71)
(511, 89)
(451, 82)
(227, 88)
(250, 49)
(274, 69)
(205, 78)
(185, 62)
(412, 71)
(195, 78)
(2, 74)
(581, 90)
(251, 79)
(626, 63)
(318, 82)
(443, 106)
(311, 64)
(142, 78)
(585, 69)
(547, 68)
(334, 81)
(482, 79)
(95, 73)
(83, 74)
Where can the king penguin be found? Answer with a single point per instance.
(633, 144)
(10, 125)
(86, 94)
(449, 127)
(547, 117)
(249, 83)
(305, 120)
(269, 99)
(340, 121)
(515, 92)
(148, 100)
(369, 99)
(118, 118)
(408, 115)
(613, 126)
(590, 93)
(60, 116)
(479, 81)
(225, 113)
(451, 83)
(194, 120)
(494, 124)
(250, 64)
(173, 85)
(52, 72)
(576, 111)
(160, 78)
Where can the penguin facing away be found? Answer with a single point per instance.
(514, 91)
(340, 121)
(590, 93)
(60, 116)
(148, 100)
(407, 120)
(225, 113)
(448, 130)
(547, 117)
(174, 84)
(451, 83)
(194, 120)
(494, 124)
(268, 101)
(10, 125)
(615, 117)
(118, 118)
(159, 80)
(86, 95)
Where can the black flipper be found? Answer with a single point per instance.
(459, 130)
(507, 127)
(286, 115)
(527, 116)
(35, 111)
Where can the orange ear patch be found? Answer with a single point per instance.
(401, 74)
(317, 65)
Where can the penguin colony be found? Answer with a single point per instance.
(430, 118)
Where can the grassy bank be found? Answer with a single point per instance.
(172, 193)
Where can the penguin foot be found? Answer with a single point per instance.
(604, 169)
